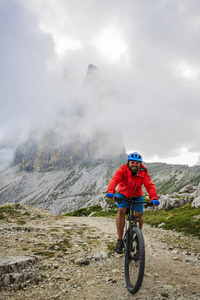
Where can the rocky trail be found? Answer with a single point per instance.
(44, 256)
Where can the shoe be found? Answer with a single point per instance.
(120, 246)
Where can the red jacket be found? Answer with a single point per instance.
(131, 186)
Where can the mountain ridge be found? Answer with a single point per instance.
(83, 183)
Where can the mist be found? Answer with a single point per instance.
(144, 93)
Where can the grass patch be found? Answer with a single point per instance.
(68, 232)
(182, 219)
(62, 245)
(107, 213)
(54, 230)
(84, 211)
(7, 211)
(111, 247)
(45, 253)
(81, 231)
(2, 217)
(95, 209)
(38, 216)
(21, 222)
(26, 214)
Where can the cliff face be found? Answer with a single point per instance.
(46, 155)
(32, 156)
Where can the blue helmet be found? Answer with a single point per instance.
(135, 156)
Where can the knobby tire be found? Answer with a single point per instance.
(134, 259)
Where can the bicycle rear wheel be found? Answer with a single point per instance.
(134, 259)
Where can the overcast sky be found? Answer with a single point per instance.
(148, 83)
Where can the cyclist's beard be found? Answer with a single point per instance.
(134, 170)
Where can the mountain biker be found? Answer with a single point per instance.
(129, 178)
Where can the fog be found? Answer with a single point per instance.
(144, 93)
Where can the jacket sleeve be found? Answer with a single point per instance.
(150, 187)
(117, 178)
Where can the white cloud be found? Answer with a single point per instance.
(189, 158)
(66, 43)
(6, 158)
(147, 53)
(111, 45)
(186, 70)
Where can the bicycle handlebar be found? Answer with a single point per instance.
(132, 201)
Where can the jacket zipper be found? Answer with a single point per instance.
(134, 186)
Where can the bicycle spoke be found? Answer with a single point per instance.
(134, 260)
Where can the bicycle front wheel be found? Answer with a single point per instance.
(134, 259)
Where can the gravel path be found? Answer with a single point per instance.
(84, 266)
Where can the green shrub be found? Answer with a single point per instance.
(181, 219)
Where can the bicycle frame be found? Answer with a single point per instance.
(131, 219)
(134, 248)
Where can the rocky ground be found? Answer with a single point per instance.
(44, 256)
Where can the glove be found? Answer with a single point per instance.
(156, 202)
(110, 195)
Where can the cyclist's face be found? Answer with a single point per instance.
(134, 166)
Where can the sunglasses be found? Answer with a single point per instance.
(134, 162)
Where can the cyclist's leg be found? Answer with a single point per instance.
(139, 211)
(140, 217)
(120, 220)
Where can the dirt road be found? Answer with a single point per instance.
(172, 265)
(87, 268)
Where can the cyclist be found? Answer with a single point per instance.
(129, 178)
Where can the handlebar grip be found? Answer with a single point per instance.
(119, 201)
(148, 204)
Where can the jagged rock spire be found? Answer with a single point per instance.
(91, 69)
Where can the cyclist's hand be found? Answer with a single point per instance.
(110, 195)
(155, 202)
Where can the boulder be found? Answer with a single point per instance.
(196, 193)
(187, 189)
(168, 202)
(196, 202)
(107, 204)
(181, 198)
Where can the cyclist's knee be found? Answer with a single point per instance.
(138, 214)
(122, 211)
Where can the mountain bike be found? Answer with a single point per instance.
(134, 247)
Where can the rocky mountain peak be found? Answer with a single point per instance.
(91, 69)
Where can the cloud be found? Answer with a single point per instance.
(6, 158)
(24, 74)
(149, 94)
